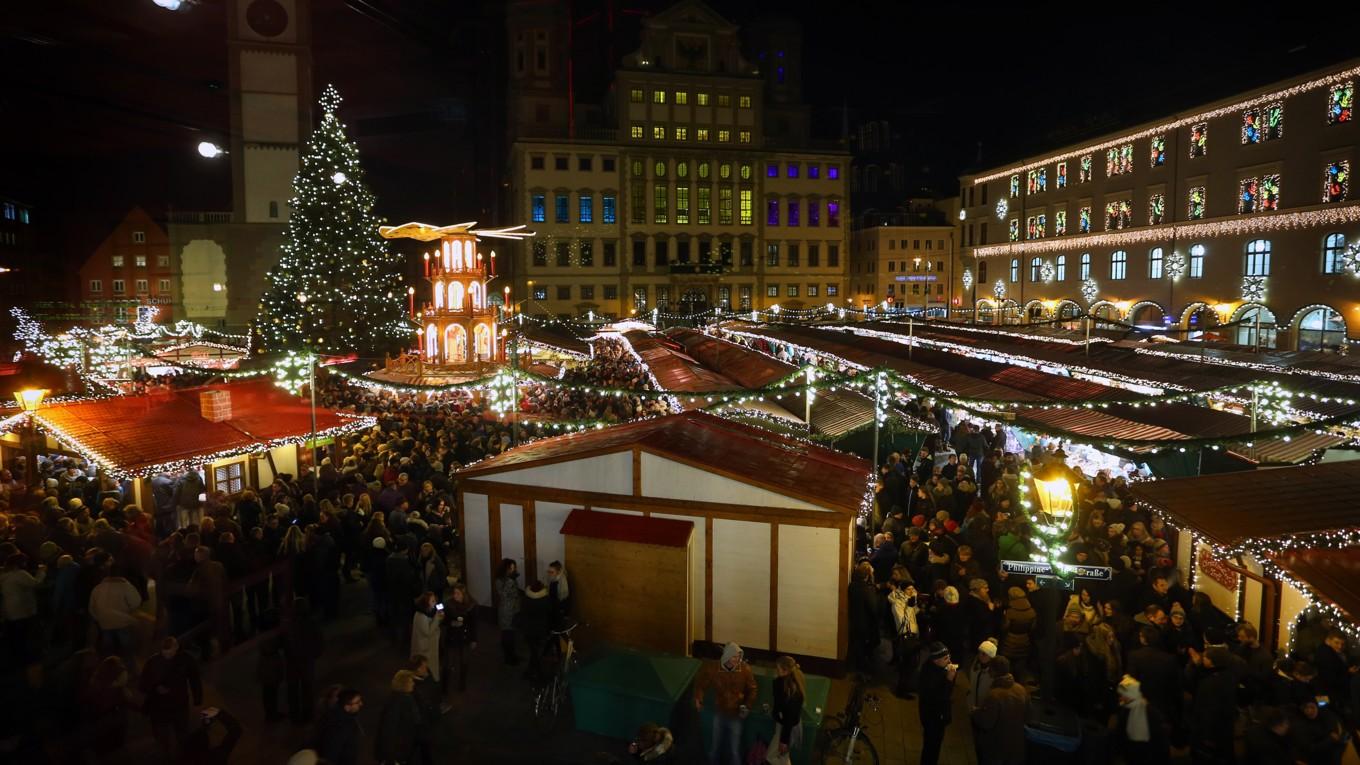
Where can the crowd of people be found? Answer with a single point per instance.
(1141, 656)
(612, 367)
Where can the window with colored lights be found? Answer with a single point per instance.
(1118, 214)
(1156, 209)
(1195, 209)
(1263, 123)
(1199, 140)
(1015, 186)
(1340, 100)
(1158, 150)
(1060, 223)
(1061, 178)
(1084, 174)
(1084, 220)
(1336, 181)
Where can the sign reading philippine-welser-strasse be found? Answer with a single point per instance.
(1043, 568)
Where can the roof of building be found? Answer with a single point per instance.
(1332, 574)
(785, 465)
(141, 435)
(673, 369)
(1230, 508)
(750, 369)
(620, 527)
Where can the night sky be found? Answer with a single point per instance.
(105, 100)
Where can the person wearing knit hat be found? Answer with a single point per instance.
(979, 681)
(935, 691)
(951, 595)
(951, 526)
(918, 521)
(75, 504)
(734, 693)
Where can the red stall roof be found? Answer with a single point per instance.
(1333, 574)
(754, 455)
(620, 527)
(138, 434)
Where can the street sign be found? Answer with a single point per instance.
(1052, 582)
(1042, 568)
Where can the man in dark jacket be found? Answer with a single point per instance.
(1212, 714)
(1156, 671)
(339, 733)
(1333, 668)
(1268, 742)
(535, 620)
(171, 682)
(205, 746)
(935, 693)
(402, 584)
(1000, 719)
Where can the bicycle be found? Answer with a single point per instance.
(550, 696)
(848, 741)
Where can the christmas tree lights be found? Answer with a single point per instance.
(336, 288)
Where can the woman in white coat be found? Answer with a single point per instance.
(425, 631)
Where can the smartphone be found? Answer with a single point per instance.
(439, 607)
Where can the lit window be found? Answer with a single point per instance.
(743, 136)
(794, 209)
(1062, 175)
(724, 136)
(1084, 220)
(1060, 223)
(833, 172)
(1015, 269)
(636, 168)
(658, 132)
(117, 261)
(814, 171)
(1060, 267)
(1195, 209)
(1084, 175)
(1263, 123)
(1118, 214)
(1084, 267)
(1035, 265)
(1156, 209)
(682, 204)
(725, 205)
(1015, 186)
(1256, 261)
(746, 171)
(701, 134)
(681, 97)
(1333, 254)
(746, 212)
(772, 170)
(1340, 100)
(139, 261)
(658, 96)
(1013, 230)
(812, 290)
(1199, 140)
(560, 209)
(792, 170)
(1336, 181)
(682, 134)
(1158, 150)
(793, 290)
(585, 212)
(725, 170)
(1155, 263)
(705, 205)
(1197, 262)
(608, 208)
(659, 169)
(635, 95)
(744, 102)
(701, 99)
(833, 290)
(772, 212)
(538, 210)
(772, 290)
(833, 214)
(1258, 194)
(1118, 160)
(660, 205)
(1119, 265)
(540, 292)
(635, 132)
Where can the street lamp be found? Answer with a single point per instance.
(29, 400)
(1053, 490)
(210, 150)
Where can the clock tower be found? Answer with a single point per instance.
(271, 95)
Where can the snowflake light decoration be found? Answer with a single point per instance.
(1175, 266)
(967, 279)
(1089, 290)
(999, 289)
(1047, 271)
(1254, 289)
(1002, 207)
(1350, 259)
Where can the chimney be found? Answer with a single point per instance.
(215, 405)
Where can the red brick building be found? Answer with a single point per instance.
(132, 268)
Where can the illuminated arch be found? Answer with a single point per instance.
(1132, 315)
(431, 343)
(481, 335)
(1069, 309)
(448, 257)
(1318, 326)
(474, 293)
(455, 343)
(469, 255)
(1031, 305)
(1190, 310)
(455, 296)
(438, 295)
(1253, 316)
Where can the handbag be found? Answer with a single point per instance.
(773, 757)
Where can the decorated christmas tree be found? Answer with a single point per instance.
(336, 288)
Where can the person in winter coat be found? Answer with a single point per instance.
(374, 565)
(1017, 630)
(507, 595)
(734, 691)
(113, 606)
(935, 707)
(1212, 714)
(170, 682)
(400, 726)
(434, 573)
(980, 675)
(999, 720)
(1319, 738)
(1140, 731)
(652, 744)
(339, 733)
(19, 606)
(949, 621)
(559, 594)
(403, 585)
(1157, 671)
(535, 621)
(426, 627)
(789, 691)
(460, 635)
(984, 618)
(904, 605)
(864, 610)
(1268, 741)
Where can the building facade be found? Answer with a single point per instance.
(905, 266)
(697, 187)
(1239, 212)
(131, 275)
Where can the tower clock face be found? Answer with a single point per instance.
(267, 18)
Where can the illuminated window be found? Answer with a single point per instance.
(1015, 186)
(117, 261)
(538, 208)
(1119, 160)
(1015, 269)
(1060, 223)
(814, 210)
(1084, 267)
(1196, 262)
(1258, 194)
(794, 216)
(636, 168)
(745, 208)
(705, 205)
(1035, 227)
(1084, 220)
(772, 212)
(745, 171)
(1119, 265)
(658, 132)
(585, 209)
(608, 204)
(658, 96)
(793, 290)
(1333, 254)
(660, 203)
(724, 136)
(1035, 265)
(561, 212)
(540, 292)
(1156, 209)
(229, 478)
(792, 170)
(833, 172)
(1336, 181)
(1013, 234)
(743, 136)
(1032, 182)
(771, 254)
(635, 95)
(682, 134)
(771, 170)
(682, 204)
(744, 102)
(701, 134)
(1340, 100)
(1263, 123)
(814, 171)
(1060, 268)
(1118, 214)
(772, 290)
(1158, 144)
(586, 248)
(725, 170)
(1084, 174)
(681, 97)
(1199, 140)
(635, 132)
(725, 205)
(833, 214)
(1155, 260)
(1195, 210)
(1256, 259)
(1062, 175)
(701, 99)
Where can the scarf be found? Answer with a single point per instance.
(1137, 726)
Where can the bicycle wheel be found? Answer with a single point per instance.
(839, 750)
(545, 706)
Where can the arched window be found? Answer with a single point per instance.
(455, 343)
(1155, 263)
(1015, 269)
(475, 295)
(431, 342)
(1061, 268)
(455, 296)
(481, 338)
(1251, 318)
(1257, 259)
(1084, 270)
(1034, 265)
(469, 255)
(1197, 261)
(1321, 329)
(1333, 248)
(1119, 265)
(438, 294)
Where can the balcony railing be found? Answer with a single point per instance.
(698, 269)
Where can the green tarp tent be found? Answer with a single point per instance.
(623, 689)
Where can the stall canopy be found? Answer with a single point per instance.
(141, 435)
(1332, 574)
(1278, 503)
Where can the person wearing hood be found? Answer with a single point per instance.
(535, 621)
(1140, 732)
(1319, 736)
(999, 720)
(1017, 629)
(734, 691)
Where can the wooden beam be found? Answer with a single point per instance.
(843, 612)
(462, 530)
(774, 587)
(530, 539)
(708, 579)
(637, 472)
(493, 531)
(588, 499)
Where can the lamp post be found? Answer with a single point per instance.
(311, 389)
(1054, 492)
(29, 400)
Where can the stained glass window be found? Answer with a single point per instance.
(1043, 179)
(1015, 185)
(1339, 102)
(1032, 182)
(1196, 208)
(1119, 160)
(1084, 220)
(1156, 209)
(1263, 123)
(1158, 150)
(1062, 175)
(1085, 175)
(1248, 195)
(1199, 140)
(1270, 192)
(1014, 233)
(1118, 215)
(1060, 223)
(1336, 181)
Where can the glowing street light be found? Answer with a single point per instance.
(209, 150)
(30, 398)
